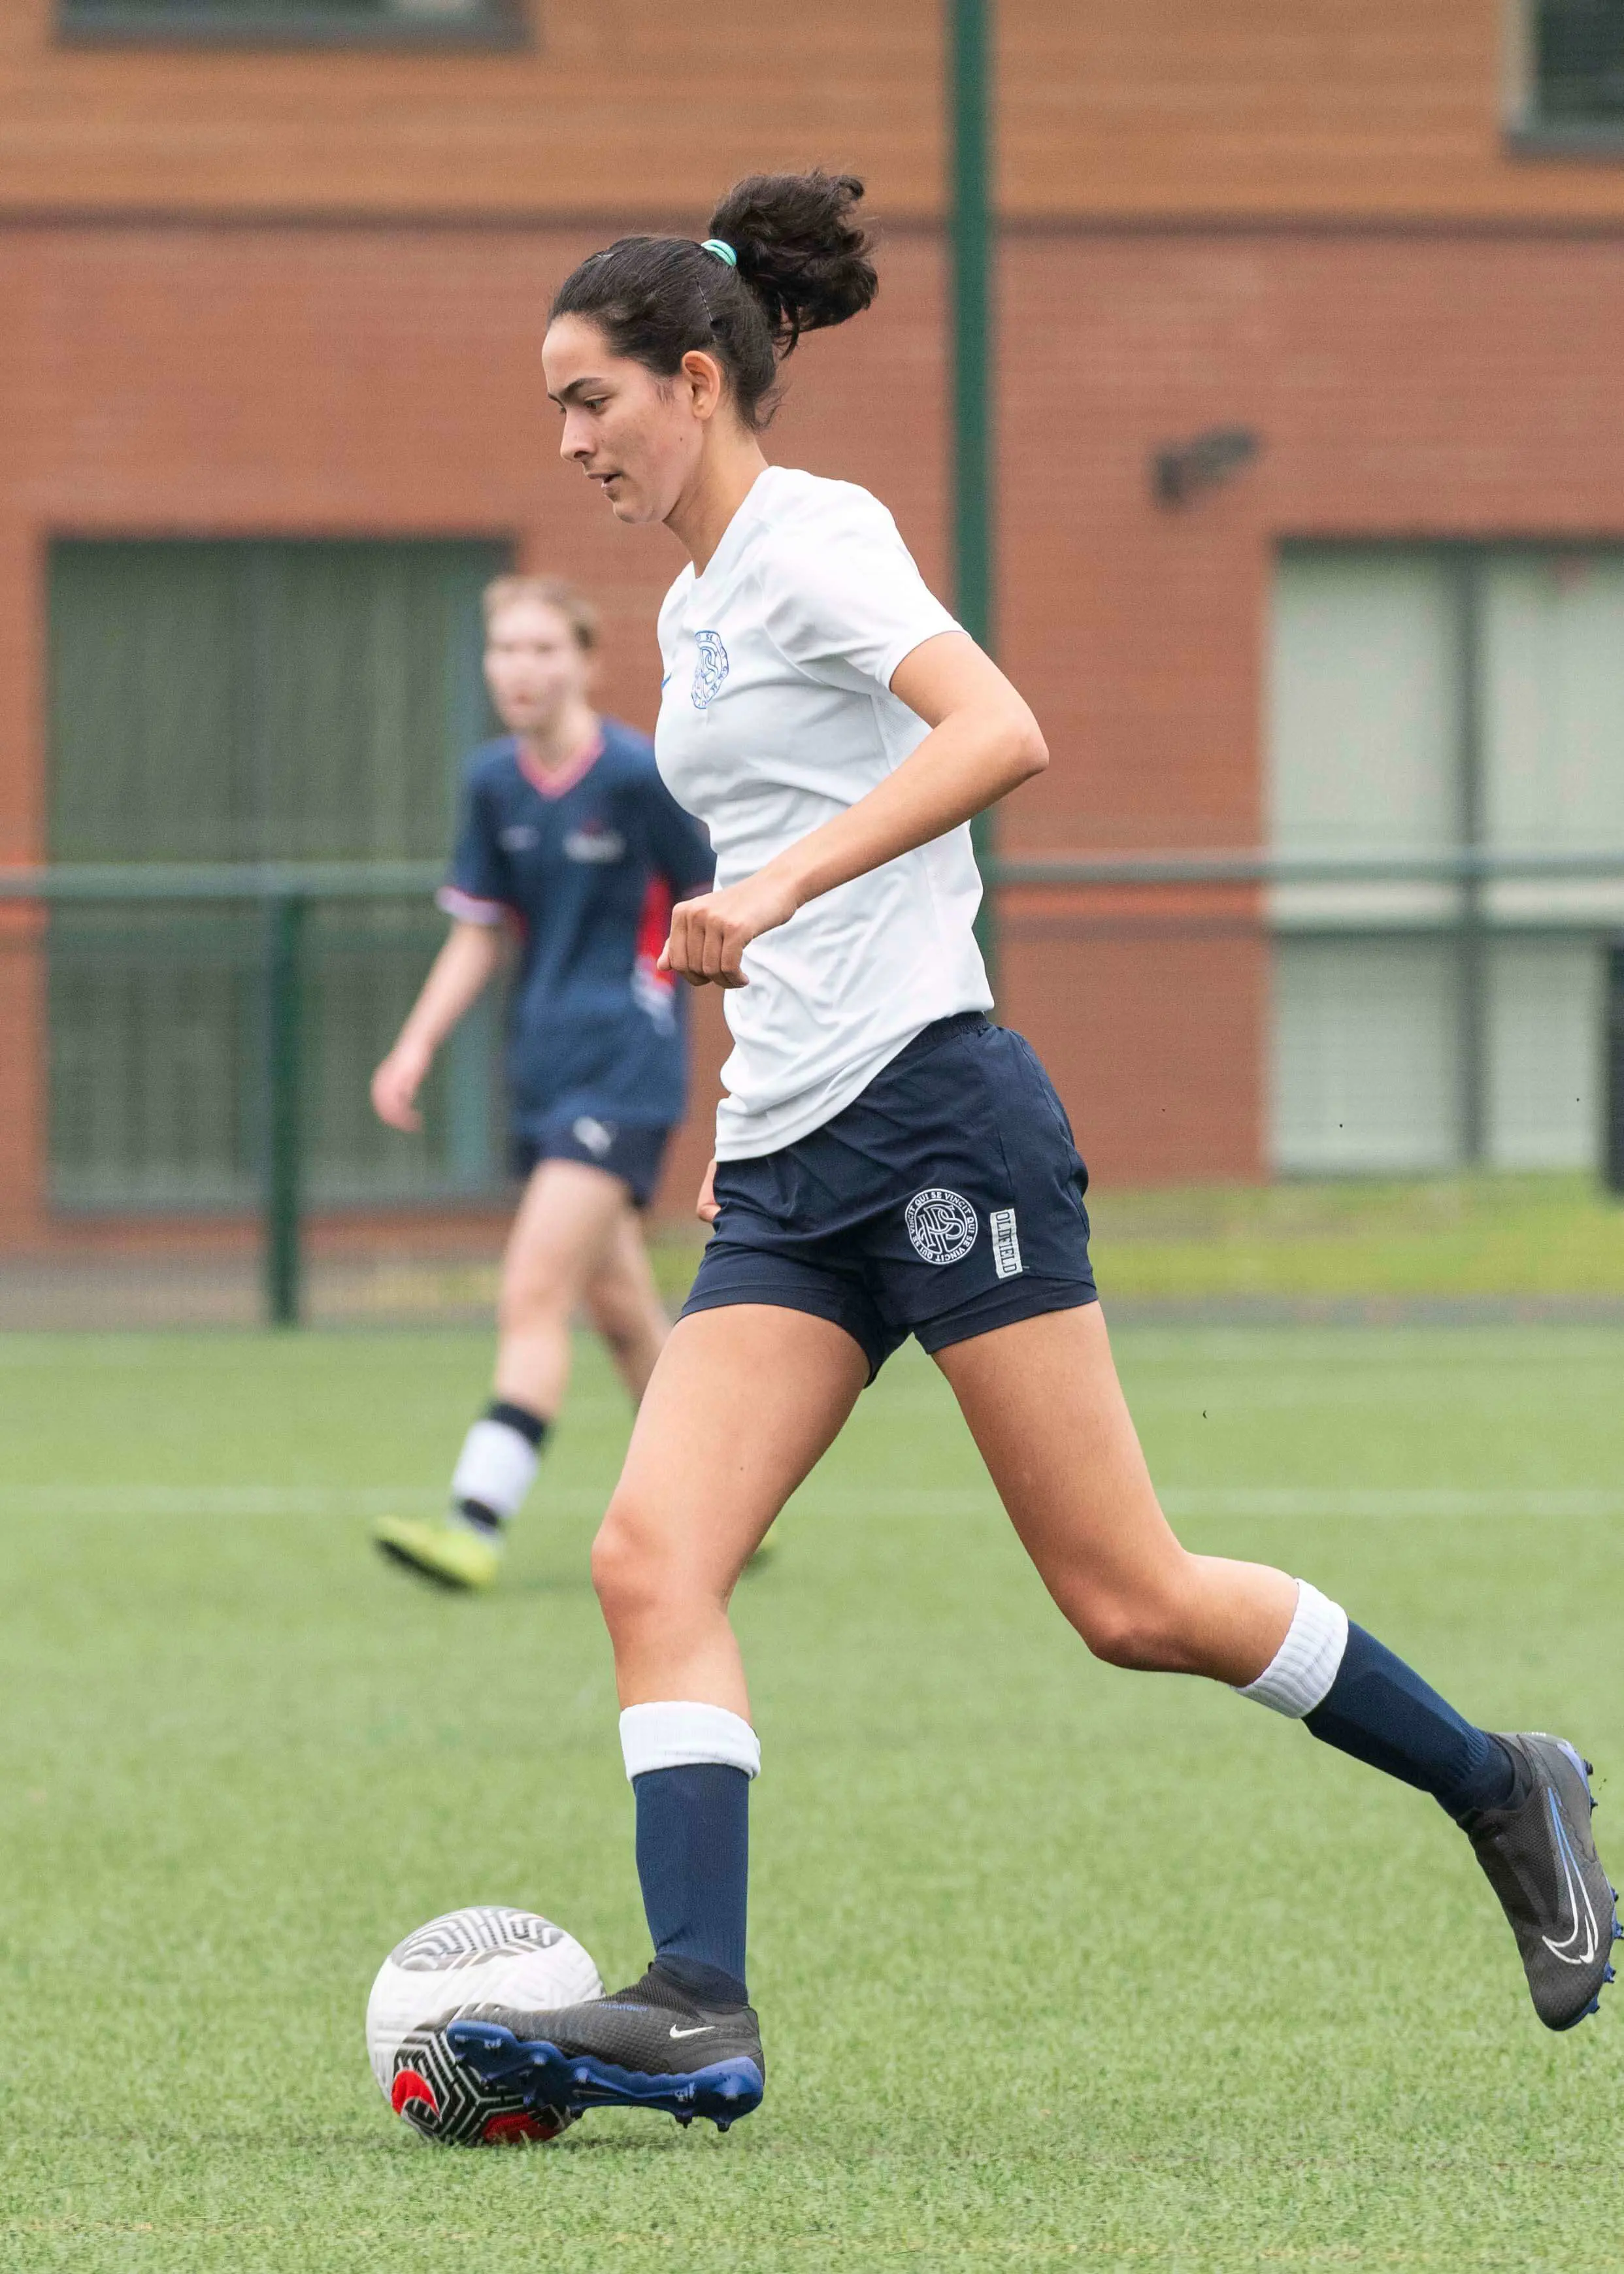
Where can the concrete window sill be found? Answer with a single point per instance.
(106, 23)
(1600, 143)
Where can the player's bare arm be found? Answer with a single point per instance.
(472, 955)
(984, 742)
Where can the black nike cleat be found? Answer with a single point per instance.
(650, 2047)
(1540, 1859)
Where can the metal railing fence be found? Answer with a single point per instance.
(200, 1010)
(276, 924)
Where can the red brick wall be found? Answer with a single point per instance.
(1404, 384)
(356, 382)
(369, 381)
(1114, 107)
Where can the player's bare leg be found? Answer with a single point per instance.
(562, 1237)
(623, 1304)
(742, 1405)
(1048, 1415)
(567, 1223)
(1043, 1402)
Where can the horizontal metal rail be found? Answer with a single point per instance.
(223, 880)
(1458, 865)
(370, 880)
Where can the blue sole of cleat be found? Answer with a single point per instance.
(547, 2074)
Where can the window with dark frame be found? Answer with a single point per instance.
(241, 700)
(1575, 69)
(474, 23)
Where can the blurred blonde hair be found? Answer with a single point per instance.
(549, 592)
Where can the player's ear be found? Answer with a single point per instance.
(702, 375)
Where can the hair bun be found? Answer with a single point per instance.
(801, 249)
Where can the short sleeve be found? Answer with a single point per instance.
(477, 888)
(682, 851)
(843, 599)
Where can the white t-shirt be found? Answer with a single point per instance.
(777, 714)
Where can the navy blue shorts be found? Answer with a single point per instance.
(633, 1153)
(945, 1201)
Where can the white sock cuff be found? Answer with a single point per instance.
(1301, 1672)
(496, 1467)
(674, 1735)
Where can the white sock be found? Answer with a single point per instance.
(495, 1469)
(1299, 1675)
(671, 1735)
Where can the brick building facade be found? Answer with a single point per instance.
(300, 291)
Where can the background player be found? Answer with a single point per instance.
(889, 1162)
(571, 851)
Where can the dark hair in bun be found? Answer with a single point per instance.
(802, 263)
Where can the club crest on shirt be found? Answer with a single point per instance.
(594, 843)
(519, 838)
(710, 668)
(942, 1224)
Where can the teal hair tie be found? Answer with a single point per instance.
(722, 250)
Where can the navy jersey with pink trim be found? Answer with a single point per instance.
(588, 864)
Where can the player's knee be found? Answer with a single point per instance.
(1144, 1633)
(617, 1571)
(529, 1307)
(628, 1569)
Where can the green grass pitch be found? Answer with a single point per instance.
(1058, 1966)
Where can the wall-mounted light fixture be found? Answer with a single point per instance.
(1180, 470)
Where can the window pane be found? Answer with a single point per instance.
(1365, 723)
(1579, 60)
(1364, 726)
(1552, 710)
(1365, 1064)
(1544, 1053)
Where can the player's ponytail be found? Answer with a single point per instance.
(801, 249)
(787, 254)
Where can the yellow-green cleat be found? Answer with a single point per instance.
(439, 1548)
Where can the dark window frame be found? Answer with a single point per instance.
(1531, 130)
(501, 24)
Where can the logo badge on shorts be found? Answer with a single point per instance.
(942, 1224)
(597, 1136)
(710, 669)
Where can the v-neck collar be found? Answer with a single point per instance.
(559, 784)
(746, 515)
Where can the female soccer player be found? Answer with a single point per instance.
(572, 847)
(887, 1162)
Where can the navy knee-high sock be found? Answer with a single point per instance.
(693, 1861)
(1380, 1711)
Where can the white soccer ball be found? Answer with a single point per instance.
(484, 1955)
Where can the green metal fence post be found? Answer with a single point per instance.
(282, 1162)
(1472, 940)
(969, 30)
